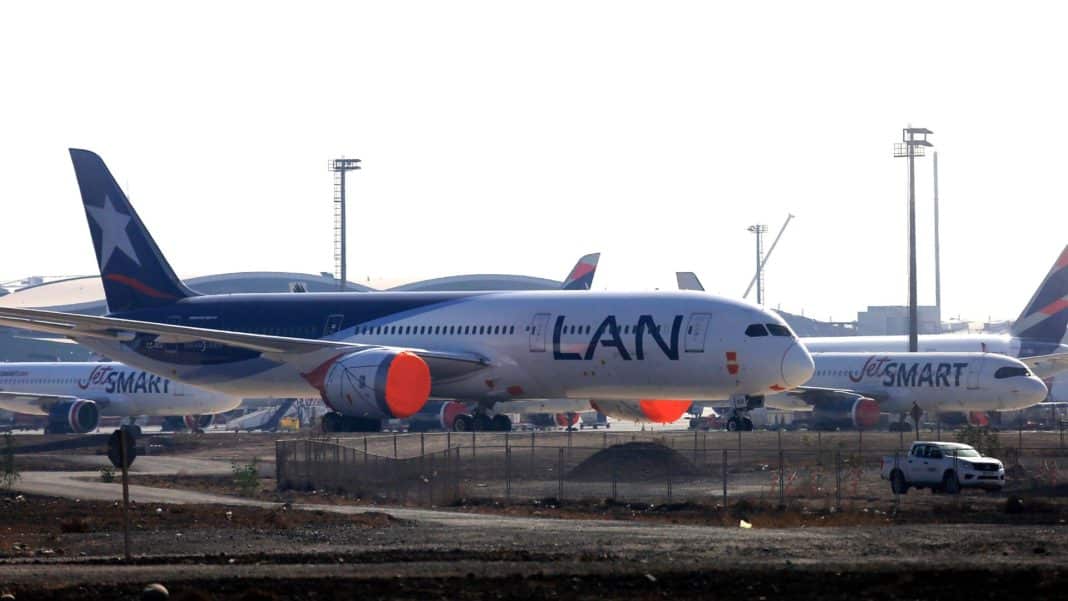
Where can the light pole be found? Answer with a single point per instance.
(340, 167)
(913, 141)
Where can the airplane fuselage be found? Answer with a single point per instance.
(117, 389)
(538, 344)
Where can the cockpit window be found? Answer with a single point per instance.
(1010, 372)
(777, 330)
(756, 329)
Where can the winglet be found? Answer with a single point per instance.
(581, 276)
(132, 268)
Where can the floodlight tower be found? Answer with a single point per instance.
(759, 230)
(340, 167)
(913, 141)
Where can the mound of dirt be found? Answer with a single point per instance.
(634, 462)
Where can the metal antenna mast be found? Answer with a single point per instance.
(913, 141)
(764, 263)
(938, 251)
(759, 230)
(340, 167)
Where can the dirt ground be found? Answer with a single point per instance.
(971, 547)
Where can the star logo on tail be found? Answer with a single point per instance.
(113, 235)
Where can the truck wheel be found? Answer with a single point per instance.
(950, 484)
(898, 484)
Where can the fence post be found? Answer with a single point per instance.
(695, 446)
(782, 479)
(448, 439)
(473, 444)
(615, 480)
(724, 470)
(560, 475)
(507, 471)
(838, 479)
(669, 470)
(365, 450)
(422, 443)
(532, 434)
(456, 475)
(819, 448)
(604, 439)
(394, 445)
(432, 477)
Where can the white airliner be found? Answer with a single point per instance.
(75, 395)
(1035, 340)
(374, 356)
(852, 389)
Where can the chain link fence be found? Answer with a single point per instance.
(827, 469)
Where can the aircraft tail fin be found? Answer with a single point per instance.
(1045, 318)
(132, 268)
(581, 276)
(688, 281)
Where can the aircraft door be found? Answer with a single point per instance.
(696, 330)
(178, 388)
(333, 324)
(539, 327)
(974, 369)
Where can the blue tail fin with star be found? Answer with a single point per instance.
(132, 268)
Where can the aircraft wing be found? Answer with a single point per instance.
(1047, 366)
(31, 403)
(812, 395)
(443, 364)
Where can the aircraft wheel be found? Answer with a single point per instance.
(747, 424)
(483, 423)
(501, 423)
(331, 423)
(733, 425)
(463, 423)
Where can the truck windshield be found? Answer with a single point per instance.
(962, 453)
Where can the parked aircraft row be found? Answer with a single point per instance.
(379, 355)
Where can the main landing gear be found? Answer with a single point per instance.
(739, 423)
(480, 421)
(335, 422)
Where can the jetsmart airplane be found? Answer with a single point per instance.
(75, 395)
(852, 389)
(373, 356)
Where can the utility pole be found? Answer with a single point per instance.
(938, 252)
(340, 167)
(764, 261)
(913, 141)
(759, 230)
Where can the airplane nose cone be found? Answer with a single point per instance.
(797, 366)
(1035, 391)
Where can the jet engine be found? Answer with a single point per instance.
(198, 422)
(656, 411)
(842, 411)
(73, 417)
(436, 415)
(377, 384)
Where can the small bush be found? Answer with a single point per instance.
(74, 525)
(247, 477)
(107, 474)
(9, 472)
(983, 439)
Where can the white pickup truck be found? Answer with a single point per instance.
(943, 467)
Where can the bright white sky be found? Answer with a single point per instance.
(514, 137)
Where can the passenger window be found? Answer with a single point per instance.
(511, 330)
(756, 330)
